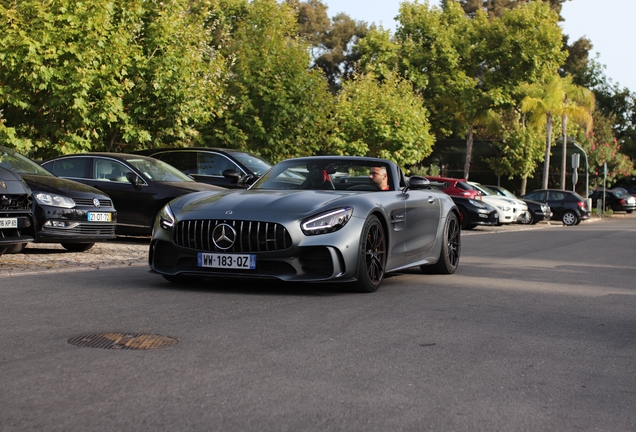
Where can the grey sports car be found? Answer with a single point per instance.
(314, 219)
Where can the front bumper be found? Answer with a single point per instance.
(301, 264)
(57, 225)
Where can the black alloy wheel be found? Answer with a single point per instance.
(372, 258)
(451, 249)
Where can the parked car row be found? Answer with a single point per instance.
(85, 198)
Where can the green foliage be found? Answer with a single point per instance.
(79, 76)
(423, 171)
(334, 42)
(275, 105)
(601, 147)
(519, 150)
(381, 119)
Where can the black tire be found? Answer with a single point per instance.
(180, 279)
(629, 211)
(77, 247)
(529, 220)
(16, 248)
(372, 256)
(569, 218)
(451, 249)
(463, 218)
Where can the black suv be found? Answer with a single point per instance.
(566, 206)
(16, 211)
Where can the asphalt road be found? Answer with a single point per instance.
(535, 332)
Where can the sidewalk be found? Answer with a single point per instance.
(43, 257)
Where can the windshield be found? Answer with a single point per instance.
(506, 192)
(13, 160)
(158, 170)
(484, 190)
(327, 174)
(253, 163)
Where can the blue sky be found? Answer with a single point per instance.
(609, 24)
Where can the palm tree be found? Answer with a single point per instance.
(557, 97)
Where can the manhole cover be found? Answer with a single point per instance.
(131, 341)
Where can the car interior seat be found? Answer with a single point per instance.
(103, 170)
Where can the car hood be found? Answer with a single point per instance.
(60, 186)
(245, 204)
(11, 183)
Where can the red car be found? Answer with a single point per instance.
(456, 187)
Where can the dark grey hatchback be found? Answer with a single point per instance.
(566, 206)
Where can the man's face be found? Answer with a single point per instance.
(377, 176)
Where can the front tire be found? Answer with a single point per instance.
(372, 256)
(569, 218)
(463, 217)
(77, 247)
(17, 248)
(451, 249)
(528, 219)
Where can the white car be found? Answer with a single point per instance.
(510, 209)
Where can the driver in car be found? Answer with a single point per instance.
(378, 177)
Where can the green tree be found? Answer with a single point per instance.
(275, 105)
(519, 150)
(78, 76)
(334, 42)
(602, 148)
(469, 69)
(556, 97)
(384, 119)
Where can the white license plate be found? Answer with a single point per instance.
(8, 223)
(229, 261)
(100, 217)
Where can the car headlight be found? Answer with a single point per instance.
(166, 218)
(54, 200)
(476, 203)
(503, 208)
(327, 222)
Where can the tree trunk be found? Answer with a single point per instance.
(469, 151)
(524, 183)
(564, 134)
(546, 162)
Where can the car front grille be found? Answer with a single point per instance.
(88, 202)
(85, 229)
(15, 202)
(251, 236)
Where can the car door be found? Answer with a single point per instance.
(556, 201)
(135, 205)
(422, 220)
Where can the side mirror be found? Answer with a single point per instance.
(246, 180)
(231, 174)
(133, 179)
(418, 183)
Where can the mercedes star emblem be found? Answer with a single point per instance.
(224, 236)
